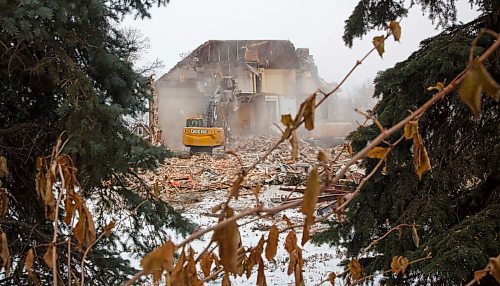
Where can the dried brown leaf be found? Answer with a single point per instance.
(4, 203)
(399, 264)
(178, 274)
(260, 246)
(109, 228)
(191, 270)
(229, 240)
(411, 128)
(47, 257)
(294, 143)
(424, 162)
(288, 221)
(349, 149)
(216, 208)
(157, 276)
(494, 267)
(490, 86)
(242, 260)
(206, 263)
(287, 120)
(85, 231)
(396, 30)
(309, 107)
(421, 159)
(160, 258)
(225, 280)
(438, 86)
(4, 170)
(293, 262)
(48, 198)
(378, 42)
(5, 259)
(331, 278)
(311, 193)
(254, 257)
(470, 90)
(256, 191)
(261, 276)
(324, 156)
(480, 274)
(235, 188)
(291, 241)
(28, 265)
(299, 277)
(272, 243)
(377, 152)
(70, 205)
(414, 235)
(355, 269)
(305, 234)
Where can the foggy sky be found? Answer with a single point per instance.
(315, 24)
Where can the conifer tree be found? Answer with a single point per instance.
(63, 67)
(457, 203)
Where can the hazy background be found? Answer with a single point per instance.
(315, 24)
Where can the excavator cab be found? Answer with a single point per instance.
(194, 122)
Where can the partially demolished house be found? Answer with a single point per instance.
(263, 79)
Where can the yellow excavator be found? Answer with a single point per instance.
(203, 136)
(200, 138)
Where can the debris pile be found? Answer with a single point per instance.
(205, 172)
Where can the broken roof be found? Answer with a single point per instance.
(277, 54)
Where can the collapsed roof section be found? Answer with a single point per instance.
(248, 54)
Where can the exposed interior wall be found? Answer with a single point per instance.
(245, 82)
(240, 122)
(278, 81)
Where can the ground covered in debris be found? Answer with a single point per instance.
(197, 185)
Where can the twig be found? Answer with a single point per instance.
(69, 249)
(370, 117)
(134, 278)
(213, 275)
(56, 220)
(204, 251)
(336, 275)
(398, 227)
(366, 178)
(362, 279)
(474, 42)
(82, 264)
